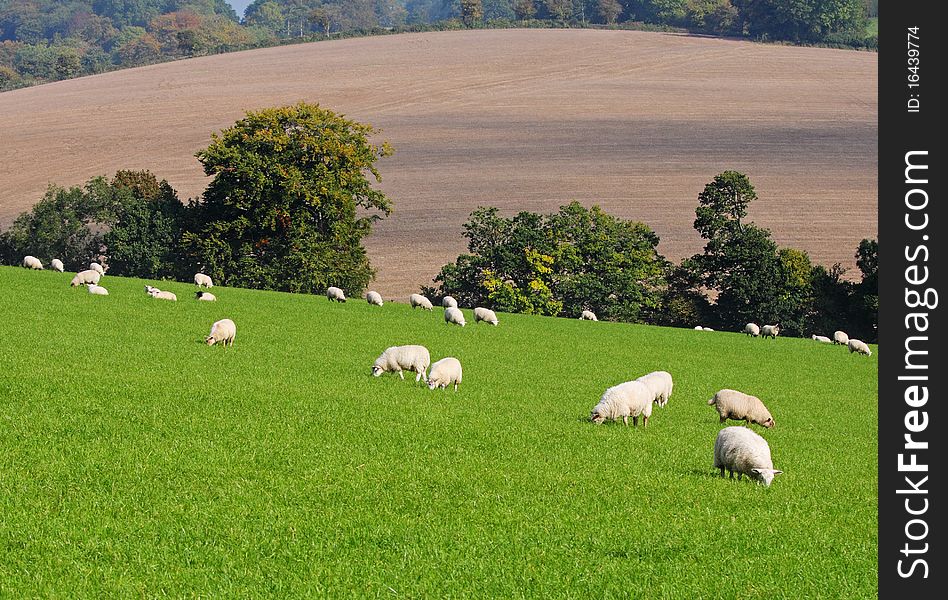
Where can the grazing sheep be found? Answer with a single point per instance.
(738, 449)
(840, 337)
(374, 298)
(699, 328)
(98, 290)
(97, 268)
(739, 406)
(484, 314)
(588, 315)
(202, 280)
(417, 300)
(150, 288)
(156, 293)
(708, 329)
(403, 358)
(57, 265)
(660, 383)
(31, 262)
(822, 339)
(454, 315)
(859, 346)
(752, 329)
(445, 372)
(335, 294)
(632, 398)
(83, 277)
(223, 332)
(449, 302)
(771, 331)
(205, 296)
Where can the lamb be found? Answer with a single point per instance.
(588, 315)
(752, 329)
(335, 294)
(840, 337)
(445, 372)
(223, 332)
(744, 451)
(739, 406)
(205, 296)
(156, 293)
(97, 268)
(859, 346)
(85, 277)
(403, 358)
(632, 398)
(484, 314)
(57, 265)
(374, 298)
(98, 290)
(202, 280)
(31, 262)
(822, 339)
(417, 300)
(454, 315)
(660, 383)
(449, 302)
(771, 331)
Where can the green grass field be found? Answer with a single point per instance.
(137, 461)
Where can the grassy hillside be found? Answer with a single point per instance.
(134, 460)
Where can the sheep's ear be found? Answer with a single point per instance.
(756, 471)
(776, 472)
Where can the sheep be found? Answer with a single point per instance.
(156, 293)
(223, 332)
(632, 398)
(57, 265)
(752, 329)
(699, 328)
(335, 294)
(449, 302)
(205, 296)
(771, 331)
(739, 406)
(98, 290)
(660, 383)
(454, 315)
(445, 372)
(150, 288)
(708, 329)
(822, 339)
(744, 451)
(374, 298)
(31, 262)
(202, 280)
(417, 300)
(403, 358)
(84, 277)
(97, 268)
(859, 346)
(588, 315)
(840, 337)
(484, 314)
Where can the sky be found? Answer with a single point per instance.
(239, 6)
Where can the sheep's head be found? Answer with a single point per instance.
(768, 422)
(596, 417)
(764, 476)
(377, 371)
(210, 340)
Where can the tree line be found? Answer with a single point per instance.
(48, 40)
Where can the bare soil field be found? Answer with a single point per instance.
(522, 119)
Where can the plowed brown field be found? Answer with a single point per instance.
(523, 119)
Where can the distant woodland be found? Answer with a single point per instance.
(49, 40)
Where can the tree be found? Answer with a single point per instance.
(865, 305)
(524, 9)
(472, 12)
(609, 11)
(280, 212)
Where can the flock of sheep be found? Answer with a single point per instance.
(839, 337)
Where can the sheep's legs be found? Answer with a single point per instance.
(722, 472)
(402, 375)
(635, 421)
(723, 419)
(455, 387)
(644, 422)
(625, 420)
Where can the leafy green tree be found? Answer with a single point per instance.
(524, 9)
(472, 12)
(609, 11)
(866, 293)
(281, 210)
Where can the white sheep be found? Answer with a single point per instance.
(660, 383)
(57, 265)
(484, 314)
(403, 358)
(150, 288)
(699, 328)
(335, 294)
(449, 302)
(859, 346)
(740, 450)
(31, 262)
(454, 315)
(445, 372)
(85, 277)
(417, 300)
(98, 290)
(223, 332)
(97, 268)
(205, 296)
(752, 329)
(771, 331)
(156, 293)
(840, 337)
(822, 339)
(588, 315)
(708, 329)
(732, 404)
(632, 398)
(374, 298)
(202, 280)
